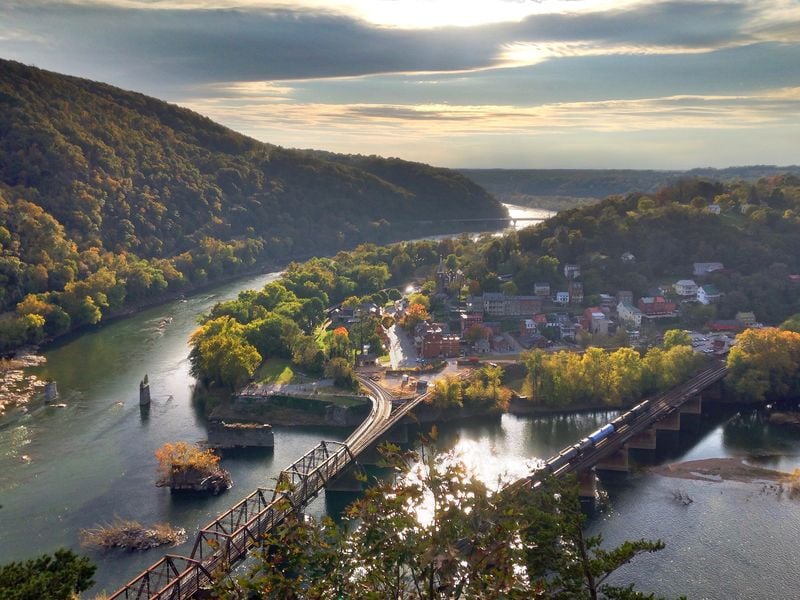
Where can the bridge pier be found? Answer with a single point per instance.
(646, 440)
(614, 462)
(671, 422)
(693, 406)
(587, 484)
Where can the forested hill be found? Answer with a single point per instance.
(109, 198)
(560, 189)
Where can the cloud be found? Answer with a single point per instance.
(140, 42)
(426, 121)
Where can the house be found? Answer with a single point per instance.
(527, 327)
(366, 360)
(541, 289)
(656, 307)
(470, 319)
(567, 330)
(572, 271)
(499, 343)
(561, 298)
(746, 318)
(686, 288)
(540, 319)
(714, 209)
(701, 269)
(494, 303)
(595, 321)
(607, 300)
(497, 304)
(725, 325)
(575, 291)
(708, 294)
(625, 296)
(628, 257)
(629, 314)
(433, 341)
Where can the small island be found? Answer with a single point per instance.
(183, 467)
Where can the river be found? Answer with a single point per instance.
(70, 467)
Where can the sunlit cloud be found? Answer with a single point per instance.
(531, 53)
(425, 121)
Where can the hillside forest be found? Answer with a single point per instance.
(110, 199)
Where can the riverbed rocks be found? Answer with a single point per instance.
(131, 535)
(197, 480)
(16, 386)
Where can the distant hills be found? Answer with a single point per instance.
(558, 189)
(118, 197)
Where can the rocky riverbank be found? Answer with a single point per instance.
(17, 387)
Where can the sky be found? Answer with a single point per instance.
(635, 84)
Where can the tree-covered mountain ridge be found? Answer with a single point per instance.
(110, 198)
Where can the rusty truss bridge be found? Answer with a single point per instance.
(228, 538)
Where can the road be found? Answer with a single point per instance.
(401, 348)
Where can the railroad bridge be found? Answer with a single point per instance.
(227, 540)
(607, 448)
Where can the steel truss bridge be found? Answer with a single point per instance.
(227, 539)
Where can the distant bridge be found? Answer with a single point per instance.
(226, 540)
(511, 220)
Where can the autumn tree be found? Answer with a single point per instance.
(415, 313)
(764, 365)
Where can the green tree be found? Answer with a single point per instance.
(676, 337)
(220, 353)
(436, 532)
(341, 371)
(59, 576)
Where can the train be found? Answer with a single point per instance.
(594, 438)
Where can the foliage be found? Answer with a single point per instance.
(482, 389)
(676, 337)
(341, 371)
(109, 199)
(603, 377)
(414, 315)
(764, 365)
(792, 323)
(182, 457)
(220, 353)
(436, 531)
(56, 577)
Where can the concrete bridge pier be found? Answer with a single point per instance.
(587, 484)
(693, 406)
(671, 422)
(645, 440)
(615, 462)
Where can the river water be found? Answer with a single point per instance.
(66, 468)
